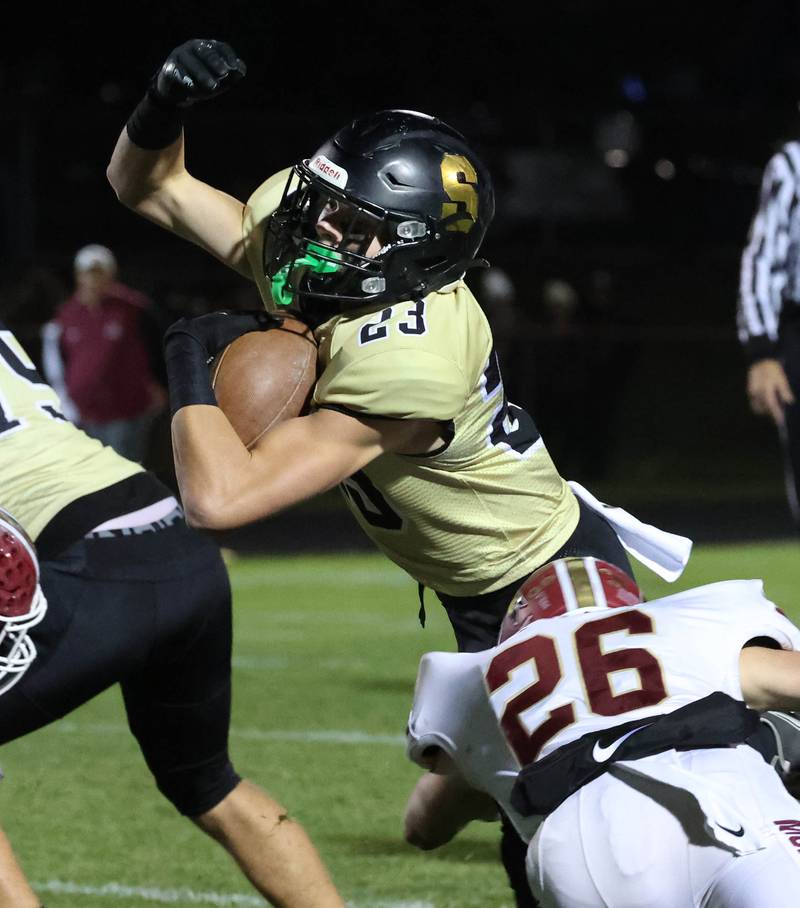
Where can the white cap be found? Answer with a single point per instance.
(95, 256)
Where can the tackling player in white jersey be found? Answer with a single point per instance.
(611, 731)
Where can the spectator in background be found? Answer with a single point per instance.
(98, 353)
(768, 309)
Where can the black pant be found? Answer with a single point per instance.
(151, 612)
(476, 620)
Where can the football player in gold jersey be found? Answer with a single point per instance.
(125, 593)
(368, 240)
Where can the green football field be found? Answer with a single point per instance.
(325, 657)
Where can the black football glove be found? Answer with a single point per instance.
(196, 71)
(215, 330)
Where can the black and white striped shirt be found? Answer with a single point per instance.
(769, 279)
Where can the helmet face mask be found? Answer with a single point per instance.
(22, 603)
(413, 203)
(302, 263)
(566, 585)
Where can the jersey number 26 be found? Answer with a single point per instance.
(596, 666)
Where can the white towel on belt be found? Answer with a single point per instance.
(664, 553)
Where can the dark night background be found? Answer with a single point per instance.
(627, 143)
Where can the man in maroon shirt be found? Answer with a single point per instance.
(96, 355)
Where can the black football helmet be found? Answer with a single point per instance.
(403, 178)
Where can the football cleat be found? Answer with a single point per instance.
(783, 751)
(22, 603)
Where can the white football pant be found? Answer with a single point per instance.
(629, 841)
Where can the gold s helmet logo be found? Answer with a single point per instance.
(460, 182)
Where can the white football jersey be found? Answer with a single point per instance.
(590, 669)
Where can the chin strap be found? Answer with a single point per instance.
(476, 263)
(421, 288)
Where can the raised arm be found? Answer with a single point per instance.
(147, 169)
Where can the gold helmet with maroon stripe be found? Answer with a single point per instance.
(566, 585)
(22, 603)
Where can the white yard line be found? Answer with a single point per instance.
(302, 736)
(322, 736)
(186, 896)
(148, 894)
(260, 663)
(299, 575)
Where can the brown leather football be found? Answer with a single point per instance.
(265, 377)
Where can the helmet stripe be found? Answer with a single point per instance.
(567, 586)
(599, 594)
(581, 582)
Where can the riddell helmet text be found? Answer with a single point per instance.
(333, 174)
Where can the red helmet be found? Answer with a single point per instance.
(567, 584)
(22, 603)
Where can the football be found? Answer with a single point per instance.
(265, 377)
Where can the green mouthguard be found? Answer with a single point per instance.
(281, 295)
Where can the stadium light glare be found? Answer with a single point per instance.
(665, 169)
(616, 158)
(633, 88)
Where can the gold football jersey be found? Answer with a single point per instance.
(486, 508)
(45, 461)
(489, 506)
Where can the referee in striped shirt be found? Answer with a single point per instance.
(768, 311)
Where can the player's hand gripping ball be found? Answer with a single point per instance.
(264, 377)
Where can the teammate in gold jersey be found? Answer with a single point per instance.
(368, 240)
(127, 594)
